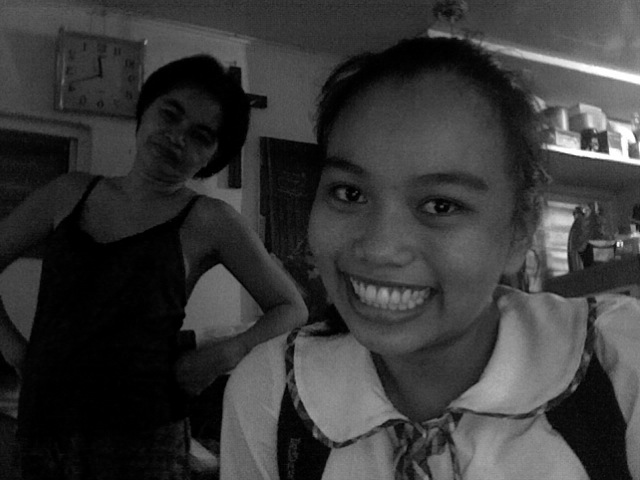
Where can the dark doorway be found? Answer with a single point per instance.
(289, 175)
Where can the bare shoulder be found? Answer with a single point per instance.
(31, 221)
(66, 191)
(75, 179)
(208, 212)
(210, 207)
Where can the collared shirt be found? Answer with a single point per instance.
(539, 351)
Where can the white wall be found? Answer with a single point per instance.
(289, 78)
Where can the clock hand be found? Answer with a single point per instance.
(84, 79)
(90, 77)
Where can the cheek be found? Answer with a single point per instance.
(316, 233)
(199, 155)
(479, 257)
(326, 234)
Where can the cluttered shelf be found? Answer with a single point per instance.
(575, 167)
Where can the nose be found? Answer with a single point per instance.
(176, 134)
(386, 238)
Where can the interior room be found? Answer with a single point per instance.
(581, 61)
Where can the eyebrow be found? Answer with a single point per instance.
(454, 177)
(175, 104)
(341, 164)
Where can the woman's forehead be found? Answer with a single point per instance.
(430, 90)
(431, 123)
(436, 106)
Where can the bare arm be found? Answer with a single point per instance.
(25, 227)
(241, 251)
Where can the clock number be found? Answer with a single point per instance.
(129, 95)
(129, 63)
(71, 54)
(84, 46)
(100, 104)
(117, 51)
(69, 70)
(131, 78)
(72, 88)
(82, 100)
(102, 48)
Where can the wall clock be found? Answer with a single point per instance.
(98, 74)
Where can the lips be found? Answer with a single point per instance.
(165, 150)
(389, 297)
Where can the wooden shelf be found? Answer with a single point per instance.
(616, 275)
(581, 168)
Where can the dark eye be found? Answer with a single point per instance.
(169, 114)
(440, 206)
(348, 194)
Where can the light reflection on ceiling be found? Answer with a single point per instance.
(605, 32)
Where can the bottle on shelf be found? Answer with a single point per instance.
(627, 242)
(634, 150)
(589, 140)
(628, 237)
(577, 243)
(590, 239)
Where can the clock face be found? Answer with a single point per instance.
(98, 74)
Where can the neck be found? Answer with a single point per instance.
(423, 384)
(139, 185)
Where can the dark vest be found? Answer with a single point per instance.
(105, 334)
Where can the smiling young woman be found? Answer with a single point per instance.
(426, 367)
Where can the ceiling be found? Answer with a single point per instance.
(605, 32)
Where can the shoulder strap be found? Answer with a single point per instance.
(300, 455)
(185, 211)
(591, 423)
(89, 188)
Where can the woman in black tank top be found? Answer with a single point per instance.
(105, 385)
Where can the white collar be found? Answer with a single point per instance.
(337, 382)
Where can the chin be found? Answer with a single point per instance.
(389, 339)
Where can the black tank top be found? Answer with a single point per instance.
(104, 338)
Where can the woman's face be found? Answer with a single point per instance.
(178, 134)
(411, 225)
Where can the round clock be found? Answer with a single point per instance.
(98, 74)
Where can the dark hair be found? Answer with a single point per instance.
(513, 103)
(204, 72)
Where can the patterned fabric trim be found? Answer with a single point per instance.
(587, 353)
(302, 411)
(415, 442)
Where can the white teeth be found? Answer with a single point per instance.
(406, 296)
(394, 301)
(370, 293)
(387, 297)
(383, 296)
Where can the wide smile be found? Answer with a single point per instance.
(389, 297)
